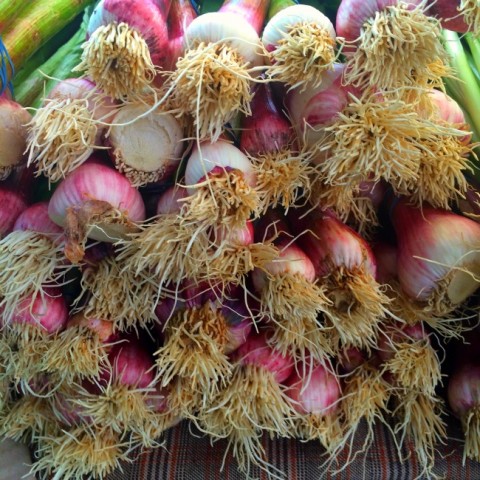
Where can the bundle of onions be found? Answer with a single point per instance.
(13, 135)
(395, 44)
(12, 204)
(222, 54)
(166, 250)
(118, 399)
(72, 445)
(221, 183)
(284, 174)
(458, 15)
(31, 257)
(27, 332)
(81, 350)
(111, 291)
(289, 297)
(193, 357)
(464, 398)
(316, 398)
(95, 201)
(346, 268)
(300, 41)
(145, 144)
(239, 411)
(127, 44)
(64, 132)
(365, 394)
(408, 355)
(438, 259)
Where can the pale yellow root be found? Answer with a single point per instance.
(358, 307)
(117, 407)
(116, 294)
(252, 401)
(420, 419)
(395, 49)
(211, 83)
(75, 353)
(229, 263)
(376, 138)
(301, 57)
(28, 345)
(80, 220)
(284, 178)
(290, 296)
(223, 199)
(149, 434)
(415, 366)
(300, 337)
(441, 180)
(327, 429)
(365, 396)
(61, 136)
(25, 418)
(167, 250)
(471, 14)
(79, 451)
(448, 325)
(471, 429)
(347, 202)
(194, 350)
(29, 262)
(117, 59)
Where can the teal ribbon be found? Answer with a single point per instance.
(6, 62)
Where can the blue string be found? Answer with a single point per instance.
(6, 62)
(196, 6)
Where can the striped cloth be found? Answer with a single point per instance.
(188, 455)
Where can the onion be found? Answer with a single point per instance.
(316, 397)
(345, 267)
(464, 397)
(127, 44)
(145, 145)
(95, 201)
(12, 205)
(13, 135)
(397, 45)
(458, 15)
(212, 80)
(301, 43)
(65, 130)
(31, 257)
(438, 258)
(240, 413)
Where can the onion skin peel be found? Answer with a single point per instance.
(95, 201)
(127, 45)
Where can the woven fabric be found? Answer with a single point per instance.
(190, 456)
